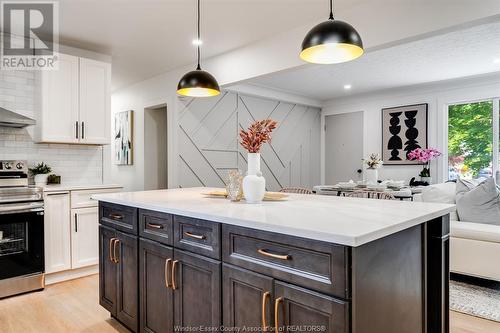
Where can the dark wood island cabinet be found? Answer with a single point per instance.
(163, 273)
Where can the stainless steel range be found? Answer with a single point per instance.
(21, 231)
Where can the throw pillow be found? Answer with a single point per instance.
(478, 203)
(442, 193)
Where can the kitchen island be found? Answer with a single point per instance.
(176, 260)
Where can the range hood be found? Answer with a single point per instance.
(12, 119)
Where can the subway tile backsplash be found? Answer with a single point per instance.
(76, 164)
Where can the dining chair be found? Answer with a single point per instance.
(370, 195)
(298, 190)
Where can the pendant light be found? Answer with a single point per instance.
(331, 42)
(198, 83)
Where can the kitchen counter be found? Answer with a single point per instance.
(76, 187)
(340, 220)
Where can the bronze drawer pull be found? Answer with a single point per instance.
(174, 264)
(154, 225)
(111, 258)
(189, 234)
(167, 263)
(276, 313)
(274, 255)
(265, 296)
(117, 241)
(116, 216)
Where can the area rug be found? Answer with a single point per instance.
(475, 300)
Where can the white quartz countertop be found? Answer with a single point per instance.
(340, 220)
(76, 187)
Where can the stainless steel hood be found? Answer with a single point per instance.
(12, 119)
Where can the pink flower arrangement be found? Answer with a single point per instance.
(424, 155)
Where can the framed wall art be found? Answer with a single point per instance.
(123, 137)
(404, 128)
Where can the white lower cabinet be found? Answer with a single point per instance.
(72, 233)
(84, 237)
(57, 232)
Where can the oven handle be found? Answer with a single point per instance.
(23, 209)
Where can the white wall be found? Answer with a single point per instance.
(438, 95)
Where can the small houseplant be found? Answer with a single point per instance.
(40, 173)
(373, 162)
(254, 185)
(425, 156)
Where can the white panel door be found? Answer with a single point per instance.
(59, 95)
(57, 232)
(84, 237)
(95, 101)
(343, 147)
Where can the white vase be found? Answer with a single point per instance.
(41, 179)
(426, 179)
(371, 176)
(254, 185)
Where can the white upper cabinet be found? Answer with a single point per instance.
(94, 101)
(59, 95)
(76, 102)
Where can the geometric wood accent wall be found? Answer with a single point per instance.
(208, 141)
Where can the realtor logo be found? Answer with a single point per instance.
(29, 35)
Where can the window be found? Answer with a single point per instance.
(473, 139)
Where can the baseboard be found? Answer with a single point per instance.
(71, 274)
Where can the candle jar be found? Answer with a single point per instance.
(234, 188)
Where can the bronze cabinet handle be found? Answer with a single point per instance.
(189, 234)
(265, 296)
(111, 241)
(167, 263)
(174, 264)
(117, 241)
(274, 255)
(116, 216)
(154, 225)
(277, 303)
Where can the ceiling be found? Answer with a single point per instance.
(148, 37)
(468, 52)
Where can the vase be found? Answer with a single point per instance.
(428, 180)
(41, 179)
(371, 176)
(254, 185)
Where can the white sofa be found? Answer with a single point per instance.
(474, 247)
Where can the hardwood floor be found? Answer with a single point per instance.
(73, 306)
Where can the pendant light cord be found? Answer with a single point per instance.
(331, 9)
(199, 40)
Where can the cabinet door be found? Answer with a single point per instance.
(84, 237)
(302, 310)
(127, 301)
(247, 298)
(59, 116)
(57, 232)
(95, 101)
(107, 270)
(197, 294)
(157, 302)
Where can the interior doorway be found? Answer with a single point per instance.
(343, 147)
(155, 148)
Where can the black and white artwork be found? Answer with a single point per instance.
(123, 137)
(404, 128)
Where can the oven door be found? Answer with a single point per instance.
(21, 240)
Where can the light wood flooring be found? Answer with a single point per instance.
(73, 306)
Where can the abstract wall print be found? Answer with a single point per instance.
(123, 136)
(404, 128)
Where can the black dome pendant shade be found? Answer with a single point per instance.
(331, 42)
(198, 83)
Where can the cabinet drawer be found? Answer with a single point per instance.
(82, 198)
(156, 226)
(311, 264)
(198, 236)
(119, 217)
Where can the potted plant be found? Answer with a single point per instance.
(373, 162)
(425, 156)
(254, 185)
(40, 173)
